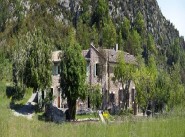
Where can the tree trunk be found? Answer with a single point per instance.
(71, 109)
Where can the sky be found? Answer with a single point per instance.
(174, 10)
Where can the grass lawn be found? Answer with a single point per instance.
(86, 116)
(11, 126)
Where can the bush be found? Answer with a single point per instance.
(15, 93)
(126, 112)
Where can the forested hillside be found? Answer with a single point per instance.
(31, 29)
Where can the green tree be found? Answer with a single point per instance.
(133, 43)
(120, 40)
(109, 35)
(139, 24)
(5, 66)
(32, 60)
(100, 13)
(163, 88)
(125, 28)
(151, 45)
(95, 97)
(145, 79)
(86, 11)
(123, 73)
(149, 49)
(4, 14)
(73, 76)
(85, 35)
(177, 92)
(173, 53)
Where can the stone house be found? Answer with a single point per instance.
(100, 70)
(55, 88)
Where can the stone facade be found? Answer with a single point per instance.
(55, 88)
(112, 92)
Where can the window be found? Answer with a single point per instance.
(112, 97)
(121, 94)
(51, 94)
(59, 70)
(43, 95)
(56, 69)
(87, 69)
(97, 69)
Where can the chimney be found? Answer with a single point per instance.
(116, 47)
(92, 44)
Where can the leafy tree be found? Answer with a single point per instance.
(10, 9)
(151, 45)
(94, 94)
(73, 76)
(149, 48)
(109, 35)
(133, 43)
(139, 24)
(5, 66)
(125, 28)
(123, 74)
(173, 53)
(182, 64)
(120, 40)
(86, 11)
(100, 13)
(85, 35)
(163, 88)
(4, 14)
(145, 79)
(45, 15)
(19, 14)
(177, 92)
(31, 61)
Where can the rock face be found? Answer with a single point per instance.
(163, 30)
(155, 22)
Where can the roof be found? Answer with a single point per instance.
(112, 55)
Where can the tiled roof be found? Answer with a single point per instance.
(112, 55)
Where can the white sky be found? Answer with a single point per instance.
(174, 10)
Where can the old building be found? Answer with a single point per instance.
(100, 70)
(55, 88)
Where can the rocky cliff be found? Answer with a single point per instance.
(163, 30)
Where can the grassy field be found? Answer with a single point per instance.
(11, 126)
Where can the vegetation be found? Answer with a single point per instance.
(73, 75)
(31, 61)
(28, 35)
(123, 73)
(172, 125)
(145, 79)
(95, 97)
